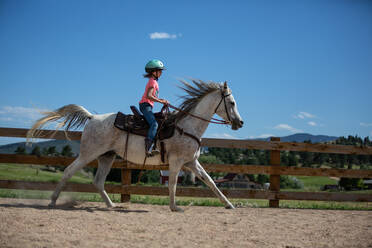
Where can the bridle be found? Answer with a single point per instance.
(223, 97)
(213, 120)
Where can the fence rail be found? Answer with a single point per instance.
(190, 191)
(274, 170)
(224, 143)
(232, 168)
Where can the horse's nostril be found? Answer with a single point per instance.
(241, 123)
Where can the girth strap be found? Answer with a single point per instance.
(182, 132)
(125, 157)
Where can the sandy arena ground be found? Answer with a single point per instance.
(30, 223)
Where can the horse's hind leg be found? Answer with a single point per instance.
(104, 165)
(78, 164)
(203, 176)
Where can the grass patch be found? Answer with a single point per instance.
(315, 183)
(196, 201)
(35, 173)
(326, 205)
(312, 184)
(187, 201)
(45, 195)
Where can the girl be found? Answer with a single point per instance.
(154, 69)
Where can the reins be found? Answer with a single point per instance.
(213, 120)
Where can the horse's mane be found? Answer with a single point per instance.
(194, 93)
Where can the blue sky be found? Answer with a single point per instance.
(293, 66)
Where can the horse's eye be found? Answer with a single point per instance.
(233, 103)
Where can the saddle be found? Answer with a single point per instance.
(136, 124)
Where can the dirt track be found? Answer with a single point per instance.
(30, 223)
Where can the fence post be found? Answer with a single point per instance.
(126, 179)
(274, 179)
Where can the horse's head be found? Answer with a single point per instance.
(228, 109)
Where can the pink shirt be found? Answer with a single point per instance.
(152, 83)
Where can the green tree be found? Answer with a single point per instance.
(290, 182)
(20, 150)
(341, 160)
(266, 157)
(209, 159)
(261, 178)
(67, 151)
(362, 159)
(44, 151)
(151, 176)
(252, 159)
(351, 183)
(333, 159)
(36, 151)
(318, 158)
(367, 142)
(284, 160)
(292, 159)
(306, 158)
(52, 151)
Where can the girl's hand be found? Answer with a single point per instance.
(165, 102)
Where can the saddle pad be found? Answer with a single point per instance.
(138, 125)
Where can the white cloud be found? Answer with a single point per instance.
(366, 124)
(20, 114)
(287, 128)
(304, 115)
(162, 35)
(221, 136)
(312, 123)
(262, 136)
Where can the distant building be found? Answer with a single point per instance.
(233, 180)
(368, 183)
(164, 177)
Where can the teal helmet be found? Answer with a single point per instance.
(153, 65)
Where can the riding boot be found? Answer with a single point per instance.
(149, 146)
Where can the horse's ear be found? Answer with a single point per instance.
(225, 85)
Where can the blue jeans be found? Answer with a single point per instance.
(146, 110)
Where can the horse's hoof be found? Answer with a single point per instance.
(177, 209)
(52, 205)
(230, 206)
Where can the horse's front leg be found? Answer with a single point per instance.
(199, 171)
(175, 165)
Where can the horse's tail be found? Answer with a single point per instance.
(73, 116)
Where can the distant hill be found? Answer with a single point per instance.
(59, 144)
(301, 137)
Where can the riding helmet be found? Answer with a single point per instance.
(153, 65)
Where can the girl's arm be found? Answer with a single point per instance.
(155, 99)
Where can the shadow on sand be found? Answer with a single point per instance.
(72, 206)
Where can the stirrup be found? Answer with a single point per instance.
(155, 152)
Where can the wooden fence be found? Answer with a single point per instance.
(274, 170)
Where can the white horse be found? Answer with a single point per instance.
(101, 140)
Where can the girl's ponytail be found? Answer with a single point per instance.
(147, 75)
